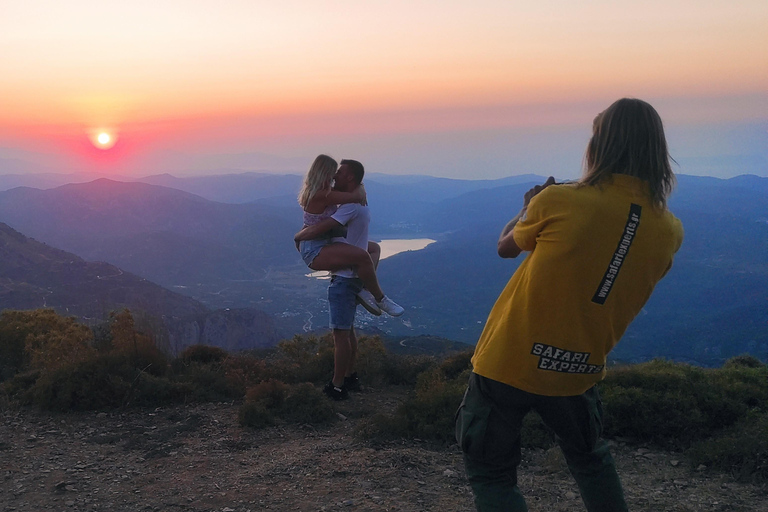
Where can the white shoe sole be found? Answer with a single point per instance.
(368, 307)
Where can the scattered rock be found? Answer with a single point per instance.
(197, 458)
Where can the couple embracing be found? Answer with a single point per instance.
(335, 238)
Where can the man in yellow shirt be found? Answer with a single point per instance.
(598, 247)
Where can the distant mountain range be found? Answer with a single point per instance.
(226, 241)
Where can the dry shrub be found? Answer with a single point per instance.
(427, 414)
(371, 361)
(744, 361)
(14, 328)
(255, 415)
(54, 341)
(102, 382)
(243, 371)
(741, 450)
(452, 367)
(676, 405)
(303, 359)
(306, 404)
(139, 347)
(297, 403)
(204, 354)
(271, 393)
(405, 370)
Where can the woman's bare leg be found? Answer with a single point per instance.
(338, 256)
(374, 250)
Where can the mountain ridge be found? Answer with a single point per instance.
(242, 256)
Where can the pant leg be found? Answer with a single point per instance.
(578, 423)
(489, 437)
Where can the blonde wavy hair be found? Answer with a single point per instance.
(318, 178)
(628, 138)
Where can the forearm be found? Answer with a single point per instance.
(319, 230)
(506, 246)
(308, 233)
(511, 224)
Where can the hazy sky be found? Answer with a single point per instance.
(450, 88)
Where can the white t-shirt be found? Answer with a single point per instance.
(356, 217)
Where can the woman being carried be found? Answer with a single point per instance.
(319, 201)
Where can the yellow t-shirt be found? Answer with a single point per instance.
(596, 254)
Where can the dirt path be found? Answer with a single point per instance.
(197, 458)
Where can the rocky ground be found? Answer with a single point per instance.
(197, 458)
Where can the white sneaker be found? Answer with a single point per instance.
(390, 307)
(366, 299)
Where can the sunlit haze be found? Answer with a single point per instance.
(471, 90)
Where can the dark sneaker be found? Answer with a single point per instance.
(335, 392)
(352, 382)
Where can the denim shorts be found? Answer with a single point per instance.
(309, 249)
(342, 301)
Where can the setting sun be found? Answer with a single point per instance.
(103, 139)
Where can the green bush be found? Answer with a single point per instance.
(306, 404)
(427, 414)
(271, 393)
(743, 361)
(255, 415)
(675, 405)
(147, 358)
(297, 403)
(741, 450)
(454, 366)
(371, 359)
(205, 382)
(303, 359)
(102, 382)
(405, 370)
(93, 384)
(19, 387)
(13, 334)
(41, 340)
(203, 354)
(211, 374)
(242, 372)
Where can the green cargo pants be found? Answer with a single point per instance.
(488, 425)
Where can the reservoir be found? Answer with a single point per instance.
(396, 246)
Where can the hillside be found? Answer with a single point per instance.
(240, 256)
(181, 241)
(34, 275)
(710, 306)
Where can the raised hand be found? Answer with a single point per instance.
(535, 190)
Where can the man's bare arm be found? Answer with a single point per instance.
(507, 247)
(316, 230)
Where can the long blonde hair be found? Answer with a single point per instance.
(318, 178)
(628, 138)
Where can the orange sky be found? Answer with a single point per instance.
(212, 77)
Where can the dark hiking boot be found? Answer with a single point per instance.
(335, 392)
(352, 382)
